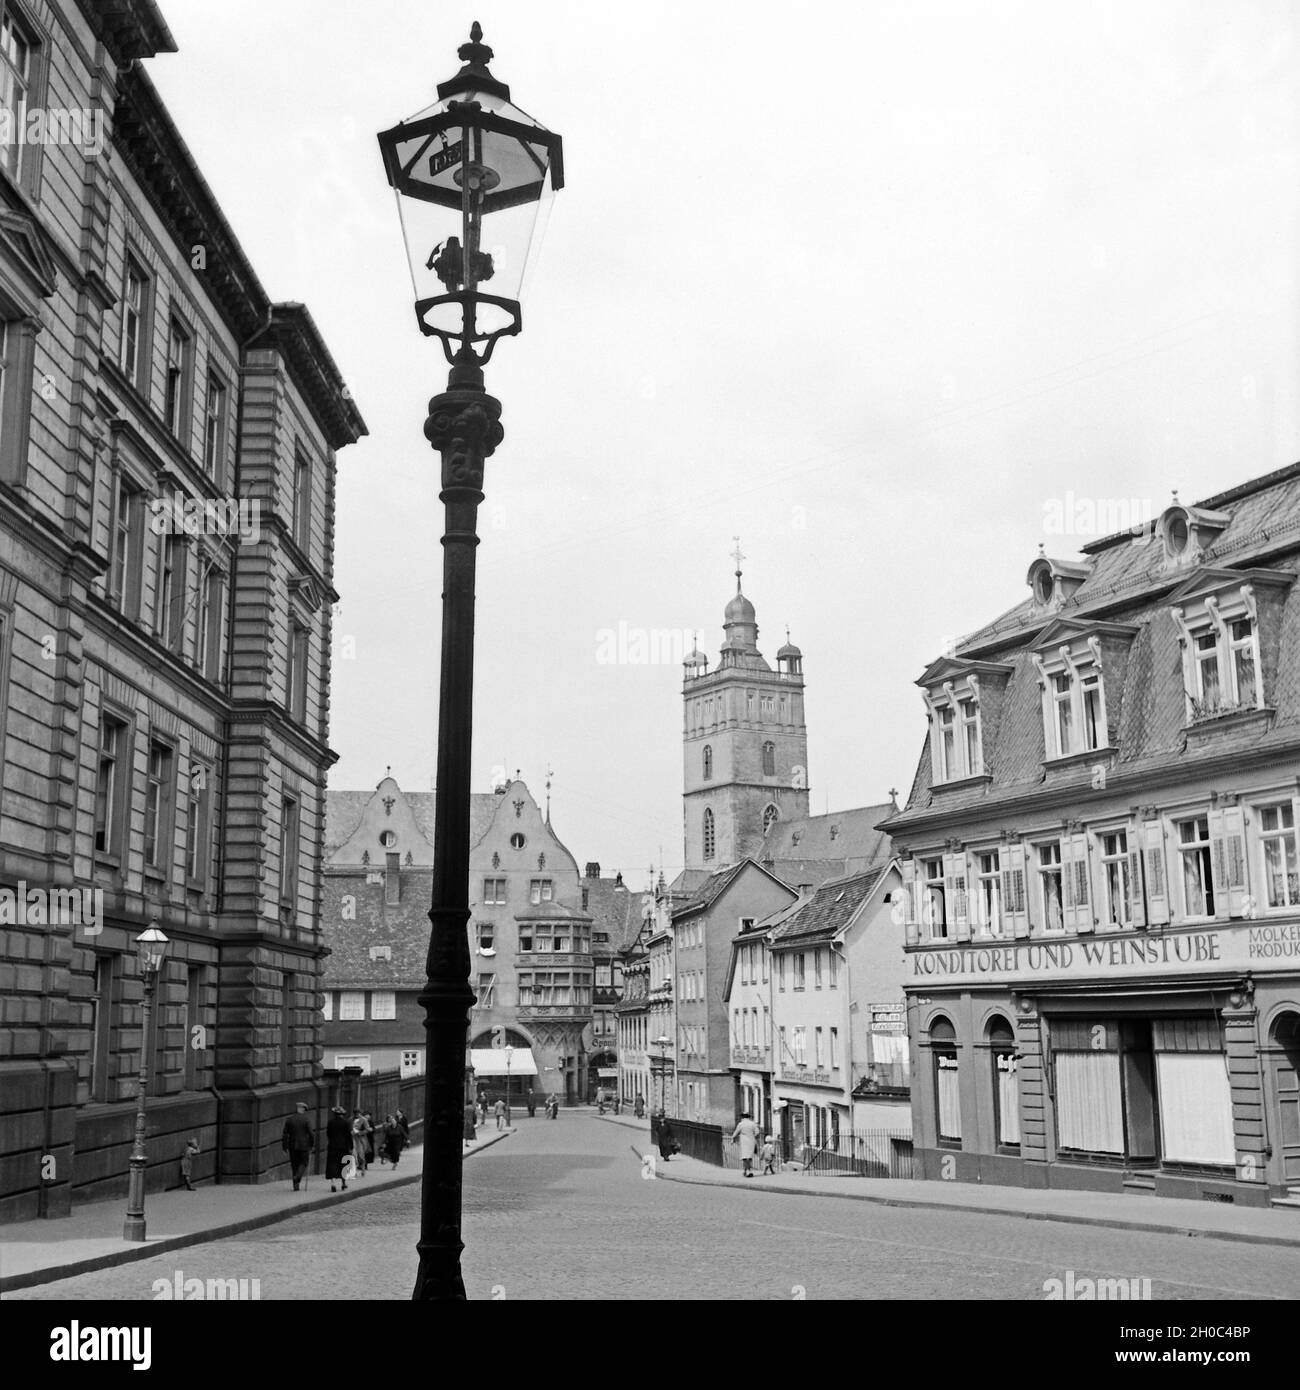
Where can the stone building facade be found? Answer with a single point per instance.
(167, 457)
(1103, 872)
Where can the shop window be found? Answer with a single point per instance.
(1195, 1097)
(943, 1049)
(1006, 1092)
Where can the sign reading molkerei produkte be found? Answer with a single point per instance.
(1249, 946)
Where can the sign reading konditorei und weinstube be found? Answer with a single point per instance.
(1252, 946)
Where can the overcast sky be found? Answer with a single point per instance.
(878, 287)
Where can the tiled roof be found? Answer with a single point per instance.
(403, 928)
(830, 909)
(711, 889)
(843, 841)
(344, 809)
(613, 909)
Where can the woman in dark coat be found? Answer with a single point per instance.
(667, 1145)
(394, 1140)
(338, 1144)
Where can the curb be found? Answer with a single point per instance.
(919, 1203)
(148, 1249)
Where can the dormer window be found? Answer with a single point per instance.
(1054, 581)
(1074, 707)
(1188, 532)
(1221, 663)
(956, 742)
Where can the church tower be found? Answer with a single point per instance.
(744, 740)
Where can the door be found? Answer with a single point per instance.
(1286, 1091)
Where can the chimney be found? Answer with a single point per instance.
(593, 870)
(618, 881)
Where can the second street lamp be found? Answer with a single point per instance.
(471, 173)
(152, 946)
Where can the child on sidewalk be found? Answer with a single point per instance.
(187, 1164)
(768, 1154)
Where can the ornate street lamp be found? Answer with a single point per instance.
(152, 946)
(471, 173)
(510, 1052)
(663, 1042)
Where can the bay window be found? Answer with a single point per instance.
(956, 740)
(1074, 703)
(1219, 632)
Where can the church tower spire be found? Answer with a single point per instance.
(744, 741)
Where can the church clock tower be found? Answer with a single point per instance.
(744, 740)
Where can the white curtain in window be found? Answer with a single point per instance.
(1008, 1101)
(1195, 1107)
(1088, 1110)
(949, 1098)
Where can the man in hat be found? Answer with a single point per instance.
(298, 1141)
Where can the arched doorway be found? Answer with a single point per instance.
(1284, 1050)
(501, 1066)
(602, 1074)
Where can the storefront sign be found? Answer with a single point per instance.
(807, 1076)
(887, 1018)
(1141, 955)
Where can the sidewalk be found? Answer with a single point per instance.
(38, 1252)
(1123, 1211)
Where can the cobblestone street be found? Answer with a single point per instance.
(560, 1210)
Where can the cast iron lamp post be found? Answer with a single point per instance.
(662, 1042)
(510, 1052)
(152, 945)
(471, 173)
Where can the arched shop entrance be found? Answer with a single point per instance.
(1284, 1053)
(602, 1074)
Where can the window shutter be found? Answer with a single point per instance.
(1137, 913)
(1015, 906)
(1153, 841)
(954, 872)
(1074, 877)
(1228, 859)
(911, 917)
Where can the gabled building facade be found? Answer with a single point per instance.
(168, 437)
(703, 928)
(530, 937)
(1102, 868)
(836, 960)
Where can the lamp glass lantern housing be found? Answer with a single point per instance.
(152, 946)
(474, 176)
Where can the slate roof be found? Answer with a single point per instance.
(829, 910)
(818, 848)
(1131, 584)
(713, 887)
(403, 927)
(344, 809)
(614, 910)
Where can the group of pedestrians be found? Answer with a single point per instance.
(746, 1134)
(350, 1145)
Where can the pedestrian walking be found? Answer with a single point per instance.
(532, 1106)
(482, 1107)
(667, 1144)
(187, 1164)
(404, 1125)
(298, 1140)
(499, 1110)
(638, 1108)
(370, 1137)
(359, 1142)
(746, 1135)
(381, 1140)
(553, 1106)
(394, 1140)
(768, 1155)
(618, 1105)
(471, 1114)
(338, 1146)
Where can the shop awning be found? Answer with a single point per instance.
(491, 1061)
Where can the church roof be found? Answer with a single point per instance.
(816, 848)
